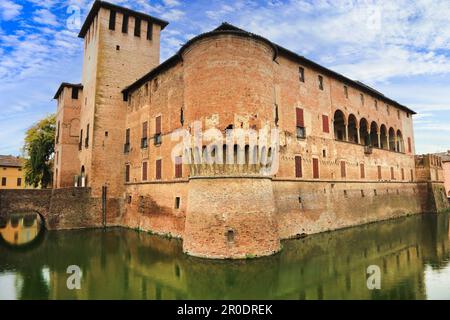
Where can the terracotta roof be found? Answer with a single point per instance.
(68, 85)
(226, 28)
(103, 4)
(10, 161)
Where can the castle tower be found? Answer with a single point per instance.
(120, 46)
(66, 162)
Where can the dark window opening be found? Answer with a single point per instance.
(362, 193)
(230, 236)
(149, 30)
(57, 132)
(112, 20)
(137, 27)
(75, 93)
(80, 143)
(324, 153)
(127, 141)
(125, 24)
(19, 180)
(301, 74)
(182, 116)
(177, 202)
(86, 142)
(117, 47)
(346, 91)
(375, 192)
(3, 181)
(276, 115)
(320, 82)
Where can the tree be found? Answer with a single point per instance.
(39, 148)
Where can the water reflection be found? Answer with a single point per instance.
(20, 229)
(412, 253)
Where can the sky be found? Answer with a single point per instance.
(401, 48)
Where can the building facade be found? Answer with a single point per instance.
(445, 160)
(329, 152)
(11, 173)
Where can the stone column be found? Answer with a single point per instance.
(395, 143)
(359, 135)
(379, 139)
(346, 133)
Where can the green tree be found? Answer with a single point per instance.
(39, 148)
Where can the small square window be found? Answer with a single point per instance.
(301, 133)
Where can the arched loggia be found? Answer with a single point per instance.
(392, 139)
(374, 139)
(383, 137)
(352, 129)
(339, 123)
(364, 132)
(400, 142)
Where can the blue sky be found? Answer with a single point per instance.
(401, 48)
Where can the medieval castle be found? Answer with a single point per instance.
(345, 152)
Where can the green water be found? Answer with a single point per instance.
(411, 253)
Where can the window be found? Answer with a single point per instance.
(137, 27)
(118, 48)
(149, 30)
(301, 74)
(343, 170)
(177, 202)
(398, 114)
(125, 23)
(362, 170)
(75, 93)
(19, 180)
(392, 174)
(276, 115)
(144, 139)
(301, 132)
(80, 143)
(87, 137)
(324, 153)
(158, 169)
(346, 91)
(325, 124)
(178, 167)
(57, 132)
(182, 116)
(112, 20)
(158, 139)
(144, 171)
(3, 181)
(298, 167)
(127, 141)
(379, 173)
(409, 145)
(127, 173)
(316, 168)
(320, 82)
(375, 102)
(403, 174)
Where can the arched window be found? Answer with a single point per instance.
(374, 134)
(339, 125)
(392, 139)
(352, 129)
(400, 143)
(383, 137)
(364, 132)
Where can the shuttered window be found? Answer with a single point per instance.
(343, 169)
(298, 167)
(316, 168)
(127, 173)
(158, 125)
(325, 124)
(363, 171)
(299, 117)
(158, 169)
(178, 167)
(144, 171)
(403, 174)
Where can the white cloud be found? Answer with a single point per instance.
(9, 9)
(46, 17)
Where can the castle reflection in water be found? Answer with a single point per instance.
(125, 264)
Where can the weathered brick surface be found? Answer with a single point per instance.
(232, 79)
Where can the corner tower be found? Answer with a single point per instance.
(120, 46)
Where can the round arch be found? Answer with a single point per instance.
(383, 137)
(352, 129)
(364, 134)
(374, 135)
(400, 142)
(392, 145)
(339, 123)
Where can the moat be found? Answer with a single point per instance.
(413, 255)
